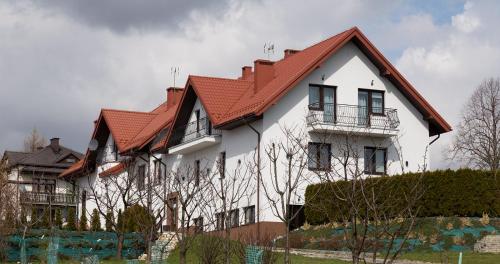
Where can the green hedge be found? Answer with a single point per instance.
(462, 192)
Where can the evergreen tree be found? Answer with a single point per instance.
(119, 221)
(109, 221)
(71, 219)
(95, 221)
(34, 218)
(45, 219)
(58, 220)
(83, 222)
(24, 219)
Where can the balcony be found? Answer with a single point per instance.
(353, 119)
(194, 136)
(65, 199)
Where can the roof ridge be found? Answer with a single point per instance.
(127, 111)
(220, 78)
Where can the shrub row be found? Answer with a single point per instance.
(462, 192)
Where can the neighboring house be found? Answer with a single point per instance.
(125, 142)
(342, 85)
(36, 177)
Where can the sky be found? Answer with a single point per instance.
(61, 61)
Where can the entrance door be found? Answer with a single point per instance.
(172, 214)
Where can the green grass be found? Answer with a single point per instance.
(452, 257)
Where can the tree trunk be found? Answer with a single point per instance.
(287, 247)
(182, 253)
(119, 246)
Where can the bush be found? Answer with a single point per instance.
(95, 221)
(58, 220)
(109, 221)
(71, 219)
(447, 193)
(210, 249)
(83, 221)
(137, 219)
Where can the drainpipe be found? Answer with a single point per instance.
(434, 140)
(258, 180)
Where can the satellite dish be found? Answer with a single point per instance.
(93, 144)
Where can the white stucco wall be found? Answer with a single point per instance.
(349, 69)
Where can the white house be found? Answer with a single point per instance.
(339, 87)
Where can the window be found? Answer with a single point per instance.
(196, 173)
(158, 171)
(222, 164)
(198, 225)
(321, 97)
(141, 177)
(197, 115)
(319, 156)
(249, 214)
(235, 217)
(219, 223)
(115, 150)
(375, 160)
(371, 101)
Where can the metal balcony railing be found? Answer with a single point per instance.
(48, 198)
(353, 115)
(193, 131)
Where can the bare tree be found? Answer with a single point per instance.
(183, 191)
(375, 211)
(477, 141)
(33, 141)
(288, 170)
(228, 189)
(7, 207)
(112, 195)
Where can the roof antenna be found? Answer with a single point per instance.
(269, 49)
(174, 71)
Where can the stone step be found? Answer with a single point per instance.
(488, 244)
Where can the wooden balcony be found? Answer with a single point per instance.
(38, 198)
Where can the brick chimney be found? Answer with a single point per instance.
(290, 52)
(263, 73)
(246, 71)
(54, 144)
(173, 96)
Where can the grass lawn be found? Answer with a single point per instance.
(452, 257)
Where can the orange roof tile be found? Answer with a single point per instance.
(74, 168)
(114, 170)
(227, 100)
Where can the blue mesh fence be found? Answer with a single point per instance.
(71, 245)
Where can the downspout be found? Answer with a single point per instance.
(434, 140)
(258, 179)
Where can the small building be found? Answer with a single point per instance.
(36, 176)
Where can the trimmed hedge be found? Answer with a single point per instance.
(463, 192)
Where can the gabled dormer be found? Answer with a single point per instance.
(194, 129)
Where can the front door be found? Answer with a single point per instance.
(172, 214)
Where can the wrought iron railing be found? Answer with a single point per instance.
(353, 115)
(48, 198)
(193, 131)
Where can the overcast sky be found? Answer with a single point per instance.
(61, 61)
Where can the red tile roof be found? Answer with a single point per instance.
(114, 170)
(227, 100)
(131, 130)
(74, 168)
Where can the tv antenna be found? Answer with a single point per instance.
(174, 71)
(269, 49)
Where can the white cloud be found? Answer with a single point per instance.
(466, 22)
(62, 70)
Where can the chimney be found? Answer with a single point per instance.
(54, 144)
(263, 73)
(246, 71)
(290, 52)
(173, 96)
